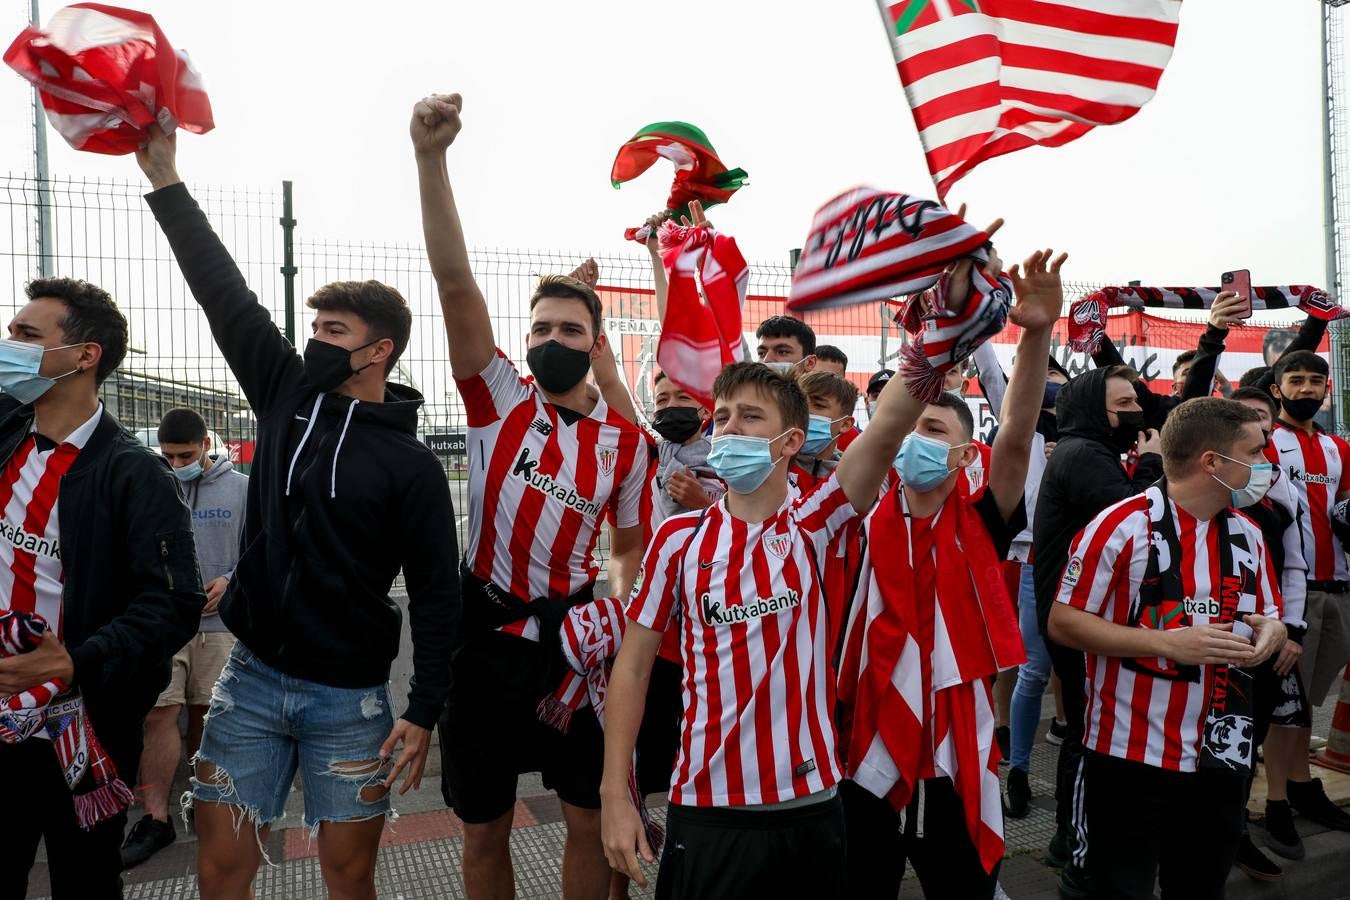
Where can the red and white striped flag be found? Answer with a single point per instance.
(987, 77)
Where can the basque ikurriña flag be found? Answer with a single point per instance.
(988, 77)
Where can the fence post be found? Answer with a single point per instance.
(288, 269)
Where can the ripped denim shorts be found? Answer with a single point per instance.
(263, 725)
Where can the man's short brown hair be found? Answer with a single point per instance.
(1205, 423)
(784, 391)
(831, 387)
(381, 307)
(1122, 371)
(569, 288)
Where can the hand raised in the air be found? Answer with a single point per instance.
(435, 122)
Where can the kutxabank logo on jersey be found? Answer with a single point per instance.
(527, 470)
(717, 613)
(29, 543)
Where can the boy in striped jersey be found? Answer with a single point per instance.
(1317, 465)
(1173, 598)
(548, 462)
(742, 582)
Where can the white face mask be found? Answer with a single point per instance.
(782, 368)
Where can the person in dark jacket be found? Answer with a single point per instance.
(97, 542)
(341, 496)
(1099, 418)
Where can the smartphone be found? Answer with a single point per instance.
(1240, 282)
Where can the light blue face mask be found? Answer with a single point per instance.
(819, 434)
(190, 472)
(1256, 487)
(20, 363)
(922, 462)
(743, 462)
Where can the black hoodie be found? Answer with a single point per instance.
(1083, 476)
(341, 495)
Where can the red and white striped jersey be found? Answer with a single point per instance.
(539, 488)
(747, 598)
(31, 576)
(1316, 465)
(1133, 714)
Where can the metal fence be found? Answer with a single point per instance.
(105, 233)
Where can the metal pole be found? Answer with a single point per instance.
(1328, 161)
(288, 269)
(46, 244)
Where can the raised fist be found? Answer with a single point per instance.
(435, 122)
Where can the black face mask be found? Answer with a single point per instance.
(1126, 433)
(328, 366)
(1302, 409)
(558, 369)
(677, 424)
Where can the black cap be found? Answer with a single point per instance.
(878, 381)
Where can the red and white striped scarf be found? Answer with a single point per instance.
(914, 709)
(60, 712)
(1087, 315)
(698, 339)
(591, 635)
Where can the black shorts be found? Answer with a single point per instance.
(716, 852)
(491, 733)
(658, 740)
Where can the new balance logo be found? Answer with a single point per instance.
(546, 484)
(30, 543)
(714, 613)
(542, 427)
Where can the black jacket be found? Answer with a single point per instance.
(1082, 477)
(341, 495)
(132, 596)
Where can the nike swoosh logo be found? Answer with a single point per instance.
(706, 565)
(1289, 450)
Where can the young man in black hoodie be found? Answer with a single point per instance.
(1098, 418)
(342, 495)
(97, 542)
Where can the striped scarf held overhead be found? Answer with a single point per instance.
(591, 635)
(60, 712)
(701, 333)
(1087, 315)
(867, 245)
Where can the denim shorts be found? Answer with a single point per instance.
(262, 726)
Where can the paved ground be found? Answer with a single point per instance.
(420, 851)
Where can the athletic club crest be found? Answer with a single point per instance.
(778, 544)
(606, 458)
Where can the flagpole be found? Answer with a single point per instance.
(46, 245)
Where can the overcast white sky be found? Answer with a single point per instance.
(1222, 170)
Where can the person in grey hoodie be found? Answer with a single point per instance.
(215, 492)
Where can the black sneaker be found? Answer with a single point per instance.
(1019, 793)
(1256, 864)
(1281, 836)
(1060, 849)
(1074, 884)
(1057, 732)
(1312, 802)
(147, 837)
(1004, 738)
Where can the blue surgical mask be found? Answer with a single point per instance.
(1051, 394)
(922, 462)
(190, 472)
(20, 363)
(1257, 484)
(743, 462)
(819, 434)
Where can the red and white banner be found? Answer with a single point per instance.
(988, 77)
(105, 74)
(872, 340)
